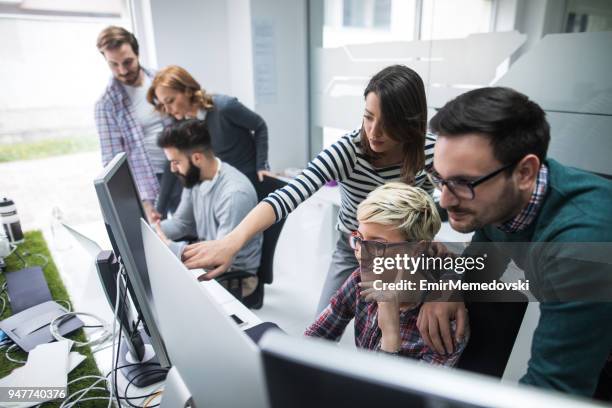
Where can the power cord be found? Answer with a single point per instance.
(5, 343)
(66, 303)
(27, 254)
(67, 403)
(125, 397)
(9, 358)
(110, 379)
(113, 390)
(3, 303)
(115, 362)
(106, 332)
(82, 393)
(150, 399)
(137, 376)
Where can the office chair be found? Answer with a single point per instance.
(264, 272)
(493, 330)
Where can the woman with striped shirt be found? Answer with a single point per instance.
(391, 145)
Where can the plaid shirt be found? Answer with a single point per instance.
(528, 214)
(119, 132)
(346, 304)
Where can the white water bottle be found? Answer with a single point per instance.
(10, 221)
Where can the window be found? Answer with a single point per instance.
(441, 19)
(367, 13)
(350, 22)
(56, 74)
(588, 15)
(367, 21)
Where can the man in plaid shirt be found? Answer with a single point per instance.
(126, 122)
(394, 212)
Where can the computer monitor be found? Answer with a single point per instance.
(215, 364)
(134, 341)
(305, 373)
(122, 210)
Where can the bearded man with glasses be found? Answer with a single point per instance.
(495, 180)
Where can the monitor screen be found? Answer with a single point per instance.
(304, 372)
(122, 210)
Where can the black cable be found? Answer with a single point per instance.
(129, 384)
(117, 367)
(25, 264)
(123, 304)
(136, 364)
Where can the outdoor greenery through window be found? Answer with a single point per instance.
(56, 74)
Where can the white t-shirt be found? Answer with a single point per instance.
(150, 120)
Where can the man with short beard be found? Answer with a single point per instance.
(215, 199)
(126, 122)
(495, 180)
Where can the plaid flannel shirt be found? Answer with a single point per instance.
(119, 132)
(346, 304)
(523, 219)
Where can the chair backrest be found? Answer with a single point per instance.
(270, 237)
(493, 330)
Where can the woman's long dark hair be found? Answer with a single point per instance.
(403, 107)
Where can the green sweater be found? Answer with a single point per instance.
(573, 338)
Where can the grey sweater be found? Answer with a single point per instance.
(211, 210)
(239, 136)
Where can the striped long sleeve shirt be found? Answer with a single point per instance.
(345, 162)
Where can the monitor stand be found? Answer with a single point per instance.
(148, 371)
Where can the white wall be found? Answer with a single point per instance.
(535, 18)
(239, 48)
(210, 39)
(214, 41)
(287, 112)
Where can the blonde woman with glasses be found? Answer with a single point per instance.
(394, 214)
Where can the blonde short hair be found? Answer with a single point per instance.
(406, 208)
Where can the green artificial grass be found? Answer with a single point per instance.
(35, 244)
(46, 148)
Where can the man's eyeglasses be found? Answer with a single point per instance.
(462, 189)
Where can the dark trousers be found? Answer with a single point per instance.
(604, 387)
(170, 189)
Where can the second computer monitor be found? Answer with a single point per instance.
(220, 366)
(122, 210)
(305, 373)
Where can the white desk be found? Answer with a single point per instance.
(230, 304)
